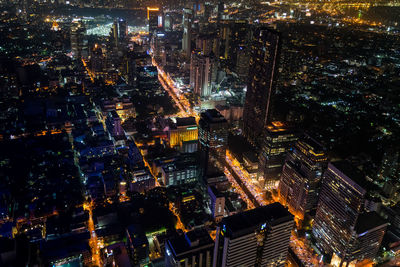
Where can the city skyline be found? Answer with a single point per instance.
(199, 133)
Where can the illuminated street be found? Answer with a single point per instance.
(93, 242)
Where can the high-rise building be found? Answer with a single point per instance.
(301, 176)
(184, 130)
(258, 237)
(97, 59)
(213, 138)
(234, 36)
(194, 248)
(153, 14)
(122, 29)
(242, 62)
(179, 172)
(168, 23)
(279, 138)
(118, 32)
(187, 32)
(138, 246)
(217, 203)
(203, 73)
(205, 43)
(340, 228)
(113, 123)
(79, 43)
(264, 54)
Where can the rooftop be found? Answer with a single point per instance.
(189, 121)
(367, 221)
(190, 241)
(351, 172)
(246, 222)
(212, 116)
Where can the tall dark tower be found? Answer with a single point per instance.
(213, 137)
(264, 54)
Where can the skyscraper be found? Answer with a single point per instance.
(264, 53)
(122, 29)
(183, 131)
(258, 237)
(301, 176)
(278, 139)
(152, 17)
(187, 31)
(202, 74)
(339, 225)
(234, 37)
(79, 43)
(213, 138)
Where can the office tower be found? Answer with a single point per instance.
(122, 29)
(279, 138)
(339, 225)
(234, 37)
(301, 176)
(217, 203)
(187, 32)
(114, 34)
(203, 73)
(183, 134)
(258, 237)
(113, 123)
(97, 59)
(264, 53)
(194, 248)
(179, 172)
(213, 138)
(220, 10)
(152, 16)
(242, 63)
(205, 43)
(168, 23)
(79, 43)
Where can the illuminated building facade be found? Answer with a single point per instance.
(153, 14)
(258, 237)
(203, 74)
(279, 138)
(341, 227)
(217, 203)
(184, 130)
(113, 123)
(340, 202)
(264, 54)
(213, 137)
(187, 31)
(142, 180)
(177, 173)
(301, 176)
